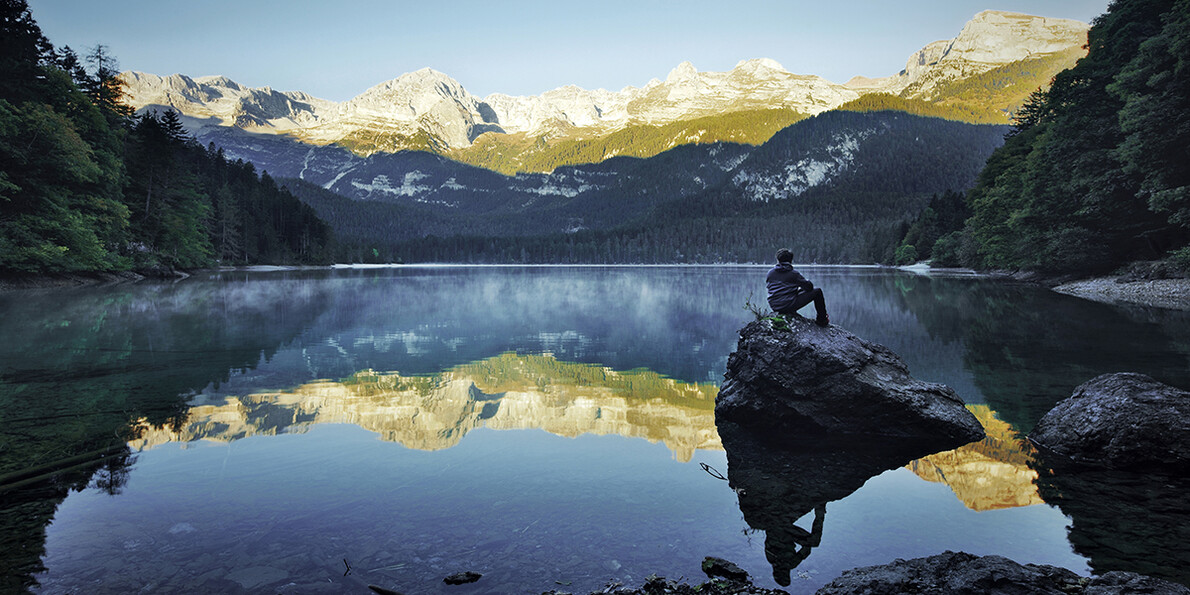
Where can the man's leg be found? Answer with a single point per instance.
(814, 295)
(805, 298)
(820, 307)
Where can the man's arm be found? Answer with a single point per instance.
(802, 282)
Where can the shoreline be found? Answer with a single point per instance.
(35, 281)
(1170, 294)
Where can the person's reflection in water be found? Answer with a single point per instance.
(778, 480)
(786, 546)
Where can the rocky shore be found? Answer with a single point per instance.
(1161, 293)
(948, 573)
(19, 281)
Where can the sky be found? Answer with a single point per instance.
(336, 49)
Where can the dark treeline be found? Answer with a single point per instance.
(821, 235)
(1096, 172)
(87, 186)
(842, 227)
(83, 376)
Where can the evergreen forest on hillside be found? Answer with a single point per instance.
(1096, 171)
(87, 186)
(674, 207)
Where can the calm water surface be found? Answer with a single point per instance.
(550, 428)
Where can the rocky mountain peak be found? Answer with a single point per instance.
(760, 65)
(685, 70)
(1002, 37)
(418, 83)
(218, 81)
(220, 101)
(990, 39)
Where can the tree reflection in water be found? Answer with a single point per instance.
(1028, 347)
(94, 365)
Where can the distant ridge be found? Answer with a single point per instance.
(430, 111)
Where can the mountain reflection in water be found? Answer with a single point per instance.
(518, 391)
(506, 392)
(994, 473)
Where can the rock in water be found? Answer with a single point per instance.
(810, 382)
(1121, 421)
(719, 567)
(959, 573)
(462, 578)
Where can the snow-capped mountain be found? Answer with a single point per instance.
(428, 110)
(220, 101)
(685, 93)
(991, 39)
(434, 103)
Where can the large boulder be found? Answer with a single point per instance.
(959, 573)
(810, 381)
(1121, 421)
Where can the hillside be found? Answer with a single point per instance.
(1094, 173)
(828, 186)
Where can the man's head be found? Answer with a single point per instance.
(784, 255)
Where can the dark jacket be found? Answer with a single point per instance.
(784, 285)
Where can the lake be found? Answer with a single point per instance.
(308, 431)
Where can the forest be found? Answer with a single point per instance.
(87, 186)
(1094, 173)
(693, 203)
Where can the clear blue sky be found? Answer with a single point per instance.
(335, 49)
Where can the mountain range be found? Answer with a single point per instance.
(833, 186)
(709, 159)
(1006, 56)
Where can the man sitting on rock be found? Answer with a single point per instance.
(789, 291)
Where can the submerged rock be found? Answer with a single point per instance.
(382, 591)
(959, 573)
(714, 567)
(1121, 421)
(658, 585)
(810, 381)
(257, 576)
(462, 578)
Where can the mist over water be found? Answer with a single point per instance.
(544, 426)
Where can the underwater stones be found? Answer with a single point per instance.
(1121, 421)
(382, 591)
(807, 382)
(182, 528)
(257, 576)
